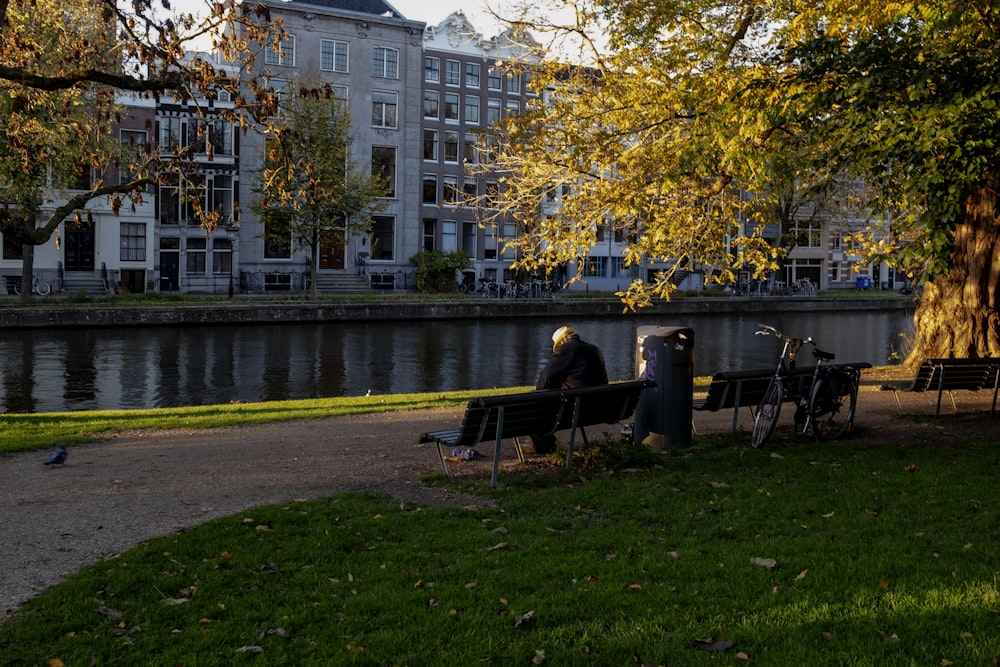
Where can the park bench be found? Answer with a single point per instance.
(745, 389)
(950, 375)
(543, 412)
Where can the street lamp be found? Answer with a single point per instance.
(233, 233)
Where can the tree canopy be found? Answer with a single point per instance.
(663, 123)
(63, 70)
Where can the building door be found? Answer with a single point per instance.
(80, 247)
(170, 271)
(331, 252)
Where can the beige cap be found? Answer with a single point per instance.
(560, 334)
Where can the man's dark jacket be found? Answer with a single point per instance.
(574, 364)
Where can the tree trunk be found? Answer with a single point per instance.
(957, 315)
(27, 271)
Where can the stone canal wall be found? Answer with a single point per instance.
(254, 311)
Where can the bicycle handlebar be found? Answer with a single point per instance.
(794, 343)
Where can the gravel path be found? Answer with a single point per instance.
(117, 493)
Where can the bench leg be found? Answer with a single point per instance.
(444, 464)
(520, 451)
(496, 450)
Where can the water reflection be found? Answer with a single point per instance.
(86, 369)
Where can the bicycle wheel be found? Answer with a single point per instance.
(44, 289)
(832, 404)
(767, 414)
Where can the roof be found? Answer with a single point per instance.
(374, 7)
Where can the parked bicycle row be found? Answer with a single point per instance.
(801, 287)
(511, 289)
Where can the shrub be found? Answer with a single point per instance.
(436, 269)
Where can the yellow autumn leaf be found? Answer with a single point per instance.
(55, 662)
(635, 587)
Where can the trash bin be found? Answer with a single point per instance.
(665, 355)
(864, 282)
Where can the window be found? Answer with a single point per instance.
(170, 133)
(429, 225)
(450, 197)
(807, 234)
(452, 72)
(196, 255)
(383, 109)
(333, 56)
(220, 138)
(195, 191)
(472, 109)
(133, 145)
(430, 145)
(169, 200)
(384, 166)
(620, 270)
(12, 248)
(449, 235)
(277, 241)
(432, 103)
(472, 75)
(470, 190)
(513, 108)
(509, 232)
(492, 194)
(494, 79)
(513, 83)
(385, 63)
(383, 237)
(594, 267)
(451, 107)
(430, 195)
(222, 257)
(492, 111)
(285, 55)
(470, 148)
(451, 146)
(469, 238)
(133, 237)
(432, 69)
(490, 241)
(220, 195)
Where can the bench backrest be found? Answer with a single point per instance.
(604, 404)
(530, 413)
(951, 374)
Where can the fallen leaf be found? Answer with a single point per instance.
(55, 662)
(522, 619)
(173, 602)
(966, 635)
(911, 468)
(801, 576)
(539, 658)
(674, 555)
(470, 585)
(884, 584)
(718, 485)
(635, 587)
(250, 649)
(769, 563)
(826, 635)
(498, 546)
(108, 612)
(828, 516)
(743, 656)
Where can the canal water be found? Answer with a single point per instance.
(143, 367)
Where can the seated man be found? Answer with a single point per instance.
(574, 363)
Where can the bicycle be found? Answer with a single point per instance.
(37, 286)
(827, 405)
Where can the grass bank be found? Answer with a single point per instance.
(808, 555)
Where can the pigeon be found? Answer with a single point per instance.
(58, 456)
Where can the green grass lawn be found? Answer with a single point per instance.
(850, 554)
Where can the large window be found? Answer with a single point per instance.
(429, 226)
(196, 247)
(432, 104)
(133, 237)
(222, 257)
(171, 133)
(452, 72)
(333, 56)
(430, 145)
(469, 190)
(133, 145)
(450, 196)
(469, 238)
(384, 109)
(472, 75)
(451, 107)
(285, 55)
(169, 200)
(807, 233)
(430, 189)
(490, 240)
(494, 79)
(221, 197)
(384, 166)
(513, 83)
(220, 137)
(383, 237)
(472, 109)
(449, 235)
(277, 241)
(385, 62)
(594, 267)
(432, 69)
(470, 148)
(492, 111)
(451, 146)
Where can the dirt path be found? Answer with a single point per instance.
(115, 494)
